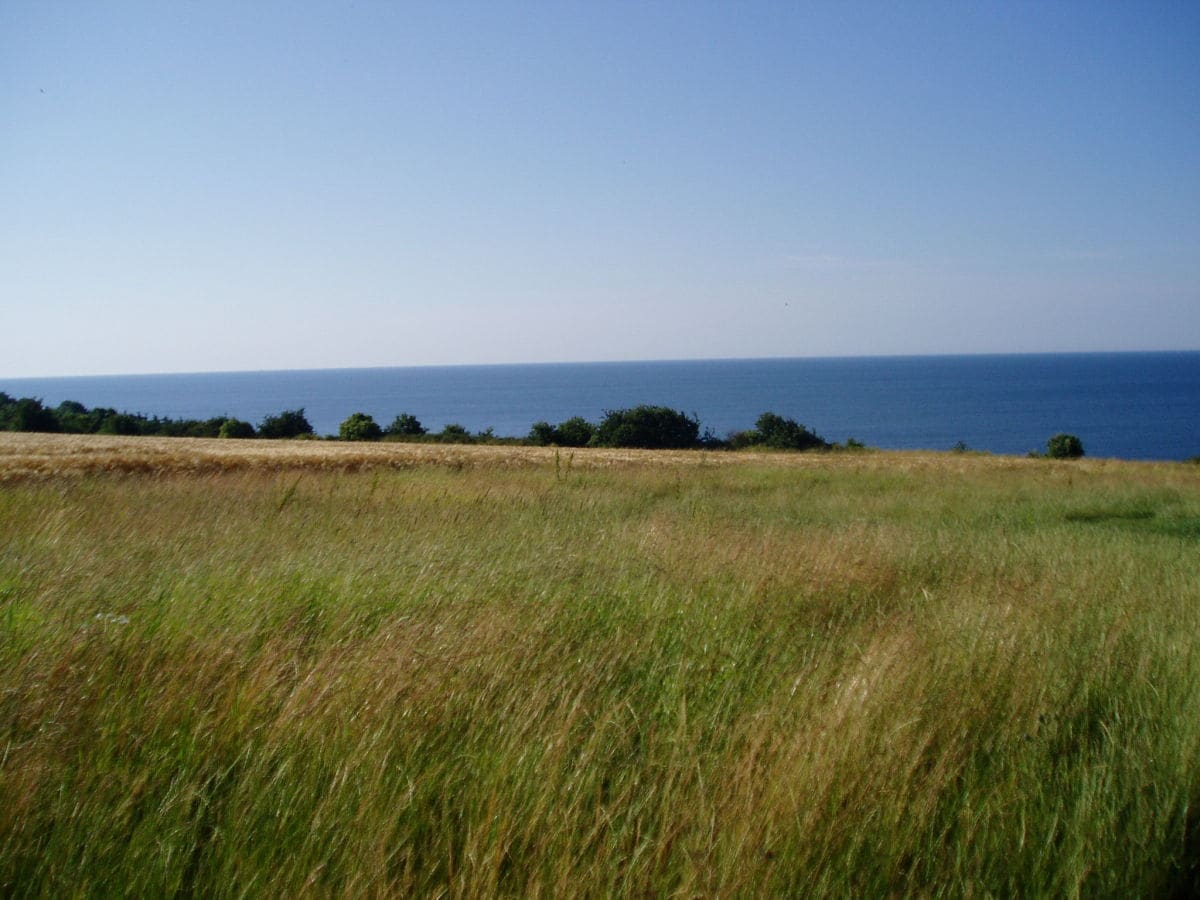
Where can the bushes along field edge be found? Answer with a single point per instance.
(643, 427)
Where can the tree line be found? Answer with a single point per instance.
(646, 427)
(650, 427)
(72, 417)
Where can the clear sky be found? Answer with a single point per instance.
(193, 186)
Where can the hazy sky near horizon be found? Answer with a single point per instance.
(201, 186)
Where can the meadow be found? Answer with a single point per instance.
(308, 668)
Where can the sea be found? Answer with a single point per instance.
(1123, 405)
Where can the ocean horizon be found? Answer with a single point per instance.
(1128, 405)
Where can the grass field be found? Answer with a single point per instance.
(308, 668)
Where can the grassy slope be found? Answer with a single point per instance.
(632, 674)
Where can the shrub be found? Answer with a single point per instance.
(542, 434)
(120, 423)
(649, 427)
(1064, 446)
(405, 425)
(203, 428)
(359, 427)
(73, 416)
(778, 433)
(575, 432)
(454, 434)
(76, 418)
(288, 424)
(787, 434)
(235, 428)
(740, 440)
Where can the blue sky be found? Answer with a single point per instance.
(203, 186)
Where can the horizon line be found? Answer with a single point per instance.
(605, 362)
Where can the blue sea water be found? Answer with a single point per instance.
(1124, 405)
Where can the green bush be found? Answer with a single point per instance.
(288, 424)
(235, 428)
(647, 427)
(359, 427)
(405, 425)
(455, 434)
(1064, 446)
(574, 432)
(75, 418)
(778, 433)
(201, 428)
(542, 434)
(787, 434)
(121, 424)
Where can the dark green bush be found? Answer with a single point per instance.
(203, 428)
(405, 425)
(121, 423)
(787, 434)
(288, 424)
(75, 418)
(574, 432)
(359, 427)
(454, 434)
(235, 428)
(542, 434)
(1064, 446)
(742, 440)
(778, 433)
(648, 427)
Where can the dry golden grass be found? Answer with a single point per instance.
(48, 455)
(25, 455)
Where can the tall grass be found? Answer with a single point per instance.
(857, 676)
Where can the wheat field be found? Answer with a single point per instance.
(320, 669)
